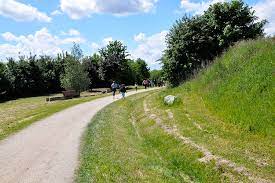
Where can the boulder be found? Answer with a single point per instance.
(169, 99)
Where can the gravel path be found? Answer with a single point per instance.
(47, 151)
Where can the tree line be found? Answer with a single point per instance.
(194, 42)
(37, 75)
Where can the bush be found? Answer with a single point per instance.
(75, 77)
(193, 42)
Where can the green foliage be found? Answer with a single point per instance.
(156, 76)
(121, 144)
(193, 42)
(141, 69)
(91, 65)
(113, 62)
(25, 76)
(4, 82)
(238, 87)
(32, 75)
(75, 77)
(77, 52)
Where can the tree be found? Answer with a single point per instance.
(194, 42)
(4, 82)
(156, 77)
(91, 65)
(231, 22)
(142, 70)
(76, 51)
(75, 77)
(113, 62)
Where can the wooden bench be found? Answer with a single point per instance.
(68, 94)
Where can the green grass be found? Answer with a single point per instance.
(238, 86)
(231, 101)
(17, 114)
(114, 150)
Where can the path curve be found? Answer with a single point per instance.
(47, 151)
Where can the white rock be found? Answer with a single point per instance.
(169, 99)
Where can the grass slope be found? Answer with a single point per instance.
(122, 145)
(218, 111)
(238, 86)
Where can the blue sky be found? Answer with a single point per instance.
(50, 26)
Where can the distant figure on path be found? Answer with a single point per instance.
(145, 83)
(122, 90)
(114, 87)
(136, 86)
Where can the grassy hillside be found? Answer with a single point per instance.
(238, 86)
(219, 130)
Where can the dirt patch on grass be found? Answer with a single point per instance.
(208, 156)
(133, 120)
(170, 114)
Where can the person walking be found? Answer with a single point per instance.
(122, 90)
(136, 86)
(145, 83)
(114, 87)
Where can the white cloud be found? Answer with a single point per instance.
(105, 41)
(266, 10)
(41, 42)
(72, 40)
(150, 48)
(56, 12)
(21, 12)
(77, 9)
(9, 36)
(95, 46)
(139, 37)
(197, 7)
(71, 32)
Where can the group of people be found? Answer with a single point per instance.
(122, 88)
(146, 83)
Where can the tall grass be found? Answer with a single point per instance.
(238, 87)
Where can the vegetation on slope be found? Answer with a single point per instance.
(122, 144)
(238, 87)
(194, 42)
(215, 113)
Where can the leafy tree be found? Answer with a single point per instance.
(50, 70)
(76, 51)
(113, 62)
(19, 76)
(128, 74)
(75, 77)
(193, 42)
(4, 82)
(231, 22)
(91, 65)
(142, 70)
(156, 76)
(37, 83)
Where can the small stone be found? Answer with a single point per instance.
(169, 99)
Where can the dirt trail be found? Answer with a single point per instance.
(47, 151)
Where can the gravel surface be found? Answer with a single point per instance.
(47, 151)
